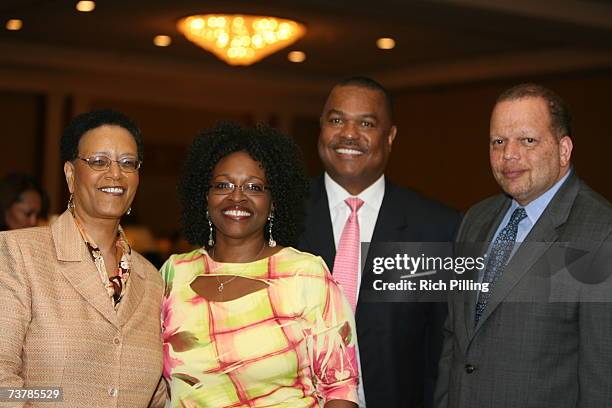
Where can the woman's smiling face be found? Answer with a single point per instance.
(243, 212)
(104, 194)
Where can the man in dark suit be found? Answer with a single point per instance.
(399, 343)
(542, 335)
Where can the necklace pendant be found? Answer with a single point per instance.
(220, 288)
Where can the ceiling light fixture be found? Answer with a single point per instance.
(296, 56)
(385, 43)
(85, 6)
(240, 39)
(14, 24)
(162, 40)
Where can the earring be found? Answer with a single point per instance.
(70, 205)
(271, 241)
(211, 240)
(128, 211)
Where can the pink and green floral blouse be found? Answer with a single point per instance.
(291, 344)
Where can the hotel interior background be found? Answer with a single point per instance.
(451, 59)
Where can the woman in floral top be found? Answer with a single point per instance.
(247, 320)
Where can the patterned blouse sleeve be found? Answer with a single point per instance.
(331, 335)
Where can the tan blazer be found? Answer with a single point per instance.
(58, 326)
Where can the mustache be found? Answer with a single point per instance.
(349, 143)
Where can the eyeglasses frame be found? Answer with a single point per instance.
(87, 159)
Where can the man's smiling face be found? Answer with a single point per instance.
(356, 136)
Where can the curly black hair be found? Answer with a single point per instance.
(83, 123)
(281, 160)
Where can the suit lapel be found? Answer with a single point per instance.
(391, 219)
(543, 235)
(134, 292)
(319, 236)
(77, 267)
(389, 227)
(484, 231)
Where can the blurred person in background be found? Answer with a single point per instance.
(81, 308)
(23, 202)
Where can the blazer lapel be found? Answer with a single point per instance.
(543, 235)
(78, 268)
(134, 292)
(391, 219)
(484, 231)
(319, 236)
(389, 225)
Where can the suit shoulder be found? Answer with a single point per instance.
(597, 205)
(412, 201)
(27, 237)
(493, 202)
(316, 191)
(591, 212)
(26, 233)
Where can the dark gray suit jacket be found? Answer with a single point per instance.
(399, 343)
(545, 338)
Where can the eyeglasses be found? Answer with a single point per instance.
(226, 187)
(101, 163)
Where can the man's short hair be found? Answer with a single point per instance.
(560, 119)
(369, 83)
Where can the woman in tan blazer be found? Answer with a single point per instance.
(79, 309)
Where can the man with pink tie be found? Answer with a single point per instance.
(352, 202)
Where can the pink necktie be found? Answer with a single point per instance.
(346, 264)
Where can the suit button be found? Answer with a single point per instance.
(116, 341)
(469, 368)
(113, 392)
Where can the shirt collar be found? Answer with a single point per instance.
(371, 196)
(535, 208)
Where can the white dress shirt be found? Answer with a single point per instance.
(368, 214)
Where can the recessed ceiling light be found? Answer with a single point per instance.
(14, 24)
(385, 43)
(296, 56)
(85, 6)
(162, 40)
